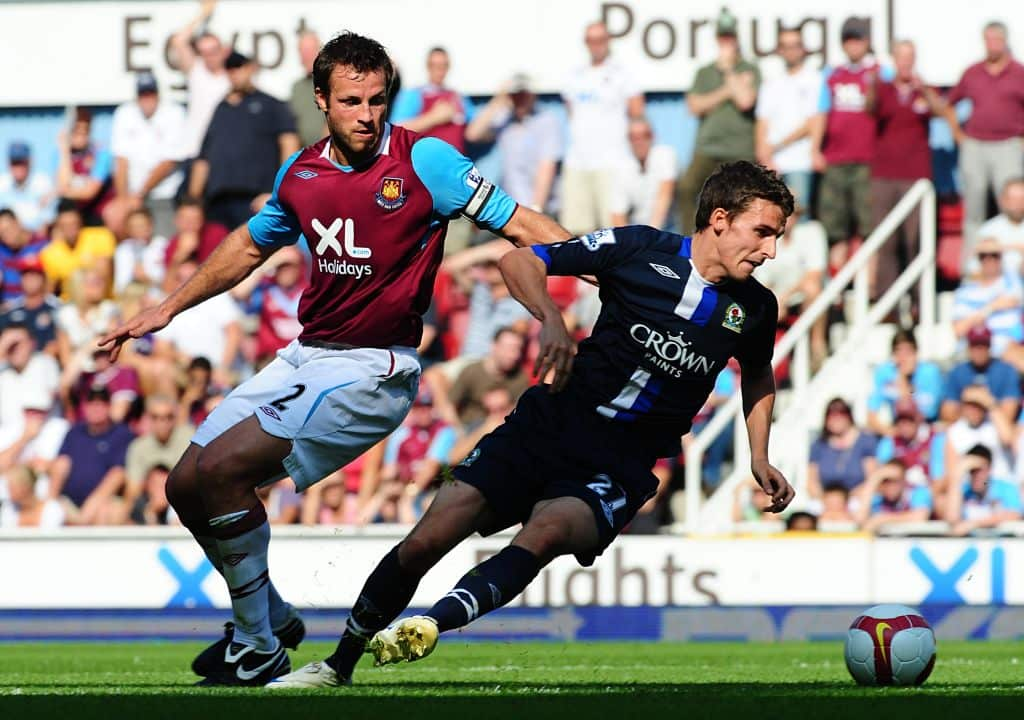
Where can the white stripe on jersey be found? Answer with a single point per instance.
(692, 294)
(625, 400)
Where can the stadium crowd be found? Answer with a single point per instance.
(116, 224)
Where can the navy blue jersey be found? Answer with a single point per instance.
(664, 333)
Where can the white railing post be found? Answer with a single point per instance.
(800, 368)
(926, 288)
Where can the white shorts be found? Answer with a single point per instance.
(333, 405)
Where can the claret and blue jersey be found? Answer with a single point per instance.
(664, 333)
(376, 232)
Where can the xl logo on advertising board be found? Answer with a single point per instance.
(345, 247)
(971, 562)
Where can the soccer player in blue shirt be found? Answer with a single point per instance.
(573, 461)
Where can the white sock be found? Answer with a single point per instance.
(244, 564)
(280, 611)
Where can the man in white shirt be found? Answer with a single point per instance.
(785, 111)
(797, 274)
(600, 98)
(147, 142)
(1007, 228)
(30, 194)
(200, 55)
(28, 391)
(643, 188)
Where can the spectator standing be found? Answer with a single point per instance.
(35, 309)
(17, 244)
(29, 193)
(843, 455)
(1007, 228)
(981, 499)
(643, 188)
(902, 377)
(73, 248)
(785, 115)
(990, 141)
(600, 97)
(84, 171)
(309, 118)
(90, 468)
(139, 258)
(723, 97)
(250, 135)
(529, 143)
(993, 299)
(200, 55)
(980, 368)
(147, 139)
(903, 110)
(843, 140)
(888, 499)
(23, 508)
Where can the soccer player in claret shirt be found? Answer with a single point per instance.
(374, 202)
(573, 461)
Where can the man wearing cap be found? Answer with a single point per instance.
(529, 142)
(36, 309)
(723, 96)
(980, 368)
(991, 139)
(786, 108)
(16, 244)
(843, 140)
(29, 193)
(147, 139)
(994, 298)
(600, 97)
(250, 135)
(90, 468)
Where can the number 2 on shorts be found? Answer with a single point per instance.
(279, 404)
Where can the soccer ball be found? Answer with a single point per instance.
(890, 645)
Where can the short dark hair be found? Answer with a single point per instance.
(837, 487)
(792, 520)
(360, 53)
(190, 201)
(7, 212)
(67, 205)
(735, 185)
(904, 336)
(981, 451)
(200, 363)
(436, 49)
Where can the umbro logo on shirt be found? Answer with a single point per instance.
(305, 174)
(664, 271)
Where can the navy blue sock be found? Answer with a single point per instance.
(488, 586)
(387, 592)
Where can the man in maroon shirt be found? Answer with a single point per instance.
(843, 141)
(903, 109)
(195, 237)
(991, 150)
(374, 202)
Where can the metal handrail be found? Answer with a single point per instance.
(795, 341)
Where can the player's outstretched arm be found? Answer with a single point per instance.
(526, 277)
(757, 385)
(527, 227)
(229, 263)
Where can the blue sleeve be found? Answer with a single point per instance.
(1005, 382)
(604, 249)
(394, 443)
(441, 446)
(456, 186)
(408, 105)
(954, 384)
(882, 377)
(920, 497)
(468, 108)
(937, 456)
(103, 167)
(276, 225)
(1009, 496)
(825, 97)
(928, 392)
(885, 450)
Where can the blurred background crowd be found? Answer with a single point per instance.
(103, 226)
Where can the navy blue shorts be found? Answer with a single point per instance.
(551, 447)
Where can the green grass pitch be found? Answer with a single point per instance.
(517, 680)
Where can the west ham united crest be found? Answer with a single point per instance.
(391, 195)
(734, 317)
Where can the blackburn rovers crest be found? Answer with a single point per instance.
(391, 195)
(734, 317)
